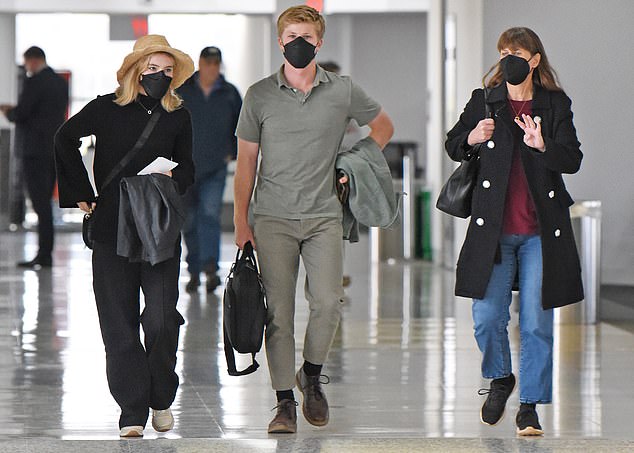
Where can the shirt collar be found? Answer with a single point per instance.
(320, 77)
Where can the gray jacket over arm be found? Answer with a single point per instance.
(372, 201)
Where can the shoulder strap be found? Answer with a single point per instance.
(488, 110)
(149, 127)
(231, 359)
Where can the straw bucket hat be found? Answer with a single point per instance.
(149, 44)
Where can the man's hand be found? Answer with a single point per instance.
(4, 108)
(244, 234)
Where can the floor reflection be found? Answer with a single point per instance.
(404, 363)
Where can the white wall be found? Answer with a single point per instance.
(389, 60)
(589, 44)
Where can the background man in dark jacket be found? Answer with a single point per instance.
(41, 109)
(215, 106)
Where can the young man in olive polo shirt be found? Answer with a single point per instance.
(297, 118)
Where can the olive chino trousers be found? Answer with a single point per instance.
(280, 244)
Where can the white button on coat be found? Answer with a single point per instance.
(551, 194)
(490, 144)
(537, 119)
(557, 232)
(486, 183)
(479, 221)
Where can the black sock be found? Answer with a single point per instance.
(527, 406)
(284, 395)
(311, 369)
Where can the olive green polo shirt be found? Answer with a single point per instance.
(299, 136)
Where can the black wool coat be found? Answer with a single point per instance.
(561, 283)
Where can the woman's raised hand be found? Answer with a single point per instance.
(532, 132)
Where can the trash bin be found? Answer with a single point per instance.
(586, 225)
(422, 227)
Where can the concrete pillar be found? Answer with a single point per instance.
(8, 76)
(8, 95)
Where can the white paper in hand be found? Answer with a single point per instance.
(159, 165)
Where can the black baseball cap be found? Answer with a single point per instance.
(211, 52)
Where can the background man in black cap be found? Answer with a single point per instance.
(215, 106)
(41, 109)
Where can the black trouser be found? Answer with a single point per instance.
(39, 176)
(139, 378)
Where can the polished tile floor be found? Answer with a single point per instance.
(404, 370)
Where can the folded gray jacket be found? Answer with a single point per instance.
(372, 201)
(151, 215)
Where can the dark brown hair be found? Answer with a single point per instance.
(524, 38)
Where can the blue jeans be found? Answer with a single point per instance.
(491, 317)
(202, 225)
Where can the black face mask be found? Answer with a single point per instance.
(156, 84)
(514, 69)
(299, 52)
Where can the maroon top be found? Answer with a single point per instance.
(519, 209)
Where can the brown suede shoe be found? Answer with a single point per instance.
(314, 403)
(285, 420)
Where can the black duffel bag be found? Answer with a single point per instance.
(244, 311)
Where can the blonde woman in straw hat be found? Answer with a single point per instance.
(140, 376)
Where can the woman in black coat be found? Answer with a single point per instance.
(520, 230)
(141, 375)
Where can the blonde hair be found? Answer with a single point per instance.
(524, 38)
(301, 14)
(129, 87)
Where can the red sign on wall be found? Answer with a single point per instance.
(317, 4)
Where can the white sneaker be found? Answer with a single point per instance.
(162, 420)
(131, 431)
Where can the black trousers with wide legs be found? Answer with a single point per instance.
(140, 376)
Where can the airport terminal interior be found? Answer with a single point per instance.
(404, 370)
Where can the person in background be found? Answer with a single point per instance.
(214, 105)
(295, 119)
(520, 229)
(141, 376)
(40, 111)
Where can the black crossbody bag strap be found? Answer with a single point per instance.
(149, 127)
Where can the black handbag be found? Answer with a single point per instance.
(244, 311)
(87, 228)
(88, 224)
(456, 194)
